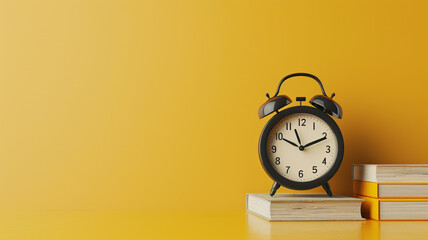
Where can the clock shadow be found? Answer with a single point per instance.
(358, 149)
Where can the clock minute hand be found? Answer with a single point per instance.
(316, 141)
(290, 142)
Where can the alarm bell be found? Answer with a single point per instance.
(327, 105)
(273, 104)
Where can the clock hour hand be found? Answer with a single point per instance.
(297, 135)
(290, 142)
(316, 141)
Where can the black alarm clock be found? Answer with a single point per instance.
(301, 147)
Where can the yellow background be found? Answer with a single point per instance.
(153, 104)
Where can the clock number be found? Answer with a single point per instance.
(279, 136)
(277, 161)
(288, 168)
(302, 122)
(314, 169)
(273, 149)
(314, 125)
(300, 173)
(325, 134)
(324, 161)
(328, 149)
(288, 126)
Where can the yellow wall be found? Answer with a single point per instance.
(153, 104)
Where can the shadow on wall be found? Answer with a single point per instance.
(358, 149)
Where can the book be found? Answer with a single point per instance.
(391, 190)
(304, 207)
(394, 209)
(395, 173)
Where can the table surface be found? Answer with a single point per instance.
(189, 225)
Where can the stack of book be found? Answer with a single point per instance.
(392, 191)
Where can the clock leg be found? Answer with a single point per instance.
(327, 189)
(275, 187)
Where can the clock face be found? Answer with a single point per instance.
(302, 147)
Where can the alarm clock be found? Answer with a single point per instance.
(301, 147)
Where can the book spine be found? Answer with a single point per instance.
(370, 207)
(369, 189)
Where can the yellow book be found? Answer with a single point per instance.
(390, 189)
(394, 209)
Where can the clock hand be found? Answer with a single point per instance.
(316, 141)
(290, 142)
(297, 135)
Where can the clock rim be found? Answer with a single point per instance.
(273, 174)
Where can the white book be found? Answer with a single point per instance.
(304, 207)
(408, 173)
